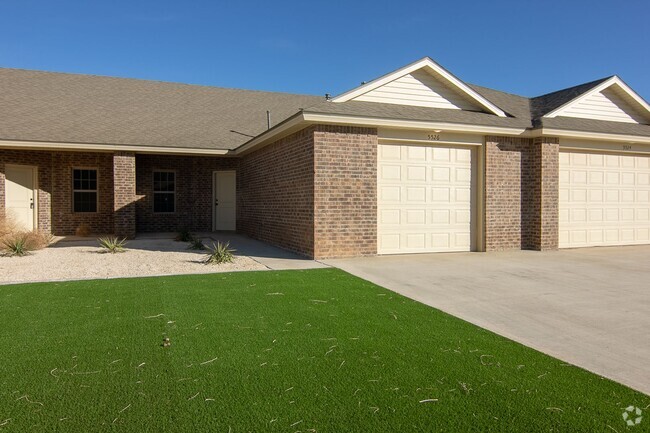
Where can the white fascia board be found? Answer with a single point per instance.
(615, 80)
(415, 124)
(286, 127)
(420, 64)
(47, 145)
(590, 135)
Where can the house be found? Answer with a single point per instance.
(414, 161)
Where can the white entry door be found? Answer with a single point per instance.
(224, 187)
(604, 199)
(20, 200)
(424, 201)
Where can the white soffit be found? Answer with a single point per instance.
(612, 100)
(422, 83)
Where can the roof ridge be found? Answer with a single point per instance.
(177, 83)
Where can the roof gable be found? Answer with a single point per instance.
(423, 84)
(611, 100)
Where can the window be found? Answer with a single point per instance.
(84, 190)
(164, 191)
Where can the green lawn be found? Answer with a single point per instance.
(311, 351)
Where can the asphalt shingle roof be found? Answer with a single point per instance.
(73, 108)
(544, 104)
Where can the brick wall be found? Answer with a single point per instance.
(43, 160)
(345, 191)
(124, 194)
(55, 188)
(193, 191)
(546, 193)
(521, 193)
(275, 197)
(64, 220)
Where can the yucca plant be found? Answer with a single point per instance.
(219, 253)
(196, 244)
(112, 244)
(16, 245)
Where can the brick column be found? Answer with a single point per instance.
(124, 194)
(546, 152)
(345, 191)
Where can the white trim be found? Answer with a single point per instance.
(386, 140)
(591, 135)
(109, 147)
(425, 63)
(615, 80)
(289, 125)
(416, 124)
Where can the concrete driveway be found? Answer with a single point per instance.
(589, 307)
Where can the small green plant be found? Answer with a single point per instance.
(184, 235)
(16, 245)
(112, 244)
(196, 244)
(219, 253)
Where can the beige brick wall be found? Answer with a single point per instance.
(345, 191)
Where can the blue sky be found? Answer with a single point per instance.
(523, 47)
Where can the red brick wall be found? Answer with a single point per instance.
(55, 188)
(124, 194)
(345, 191)
(64, 220)
(521, 193)
(43, 161)
(546, 193)
(193, 191)
(275, 197)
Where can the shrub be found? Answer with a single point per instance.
(112, 244)
(196, 244)
(16, 242)
(184, 235)
(15, 245)
(219, 253)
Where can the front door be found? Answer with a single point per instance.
(224, 188)
(20, 200)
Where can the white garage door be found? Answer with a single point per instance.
(424, 199)
(604, 199)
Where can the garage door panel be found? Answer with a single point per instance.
(428, 208)
(604, 199)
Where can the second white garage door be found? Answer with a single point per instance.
(604, 199)
(424, 199)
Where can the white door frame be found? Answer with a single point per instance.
(34, 169)
(214, 195)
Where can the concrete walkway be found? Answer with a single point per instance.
(266, 254)
(589, 307)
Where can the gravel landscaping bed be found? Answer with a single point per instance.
(75, 260)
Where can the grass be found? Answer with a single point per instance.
(287, 351)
